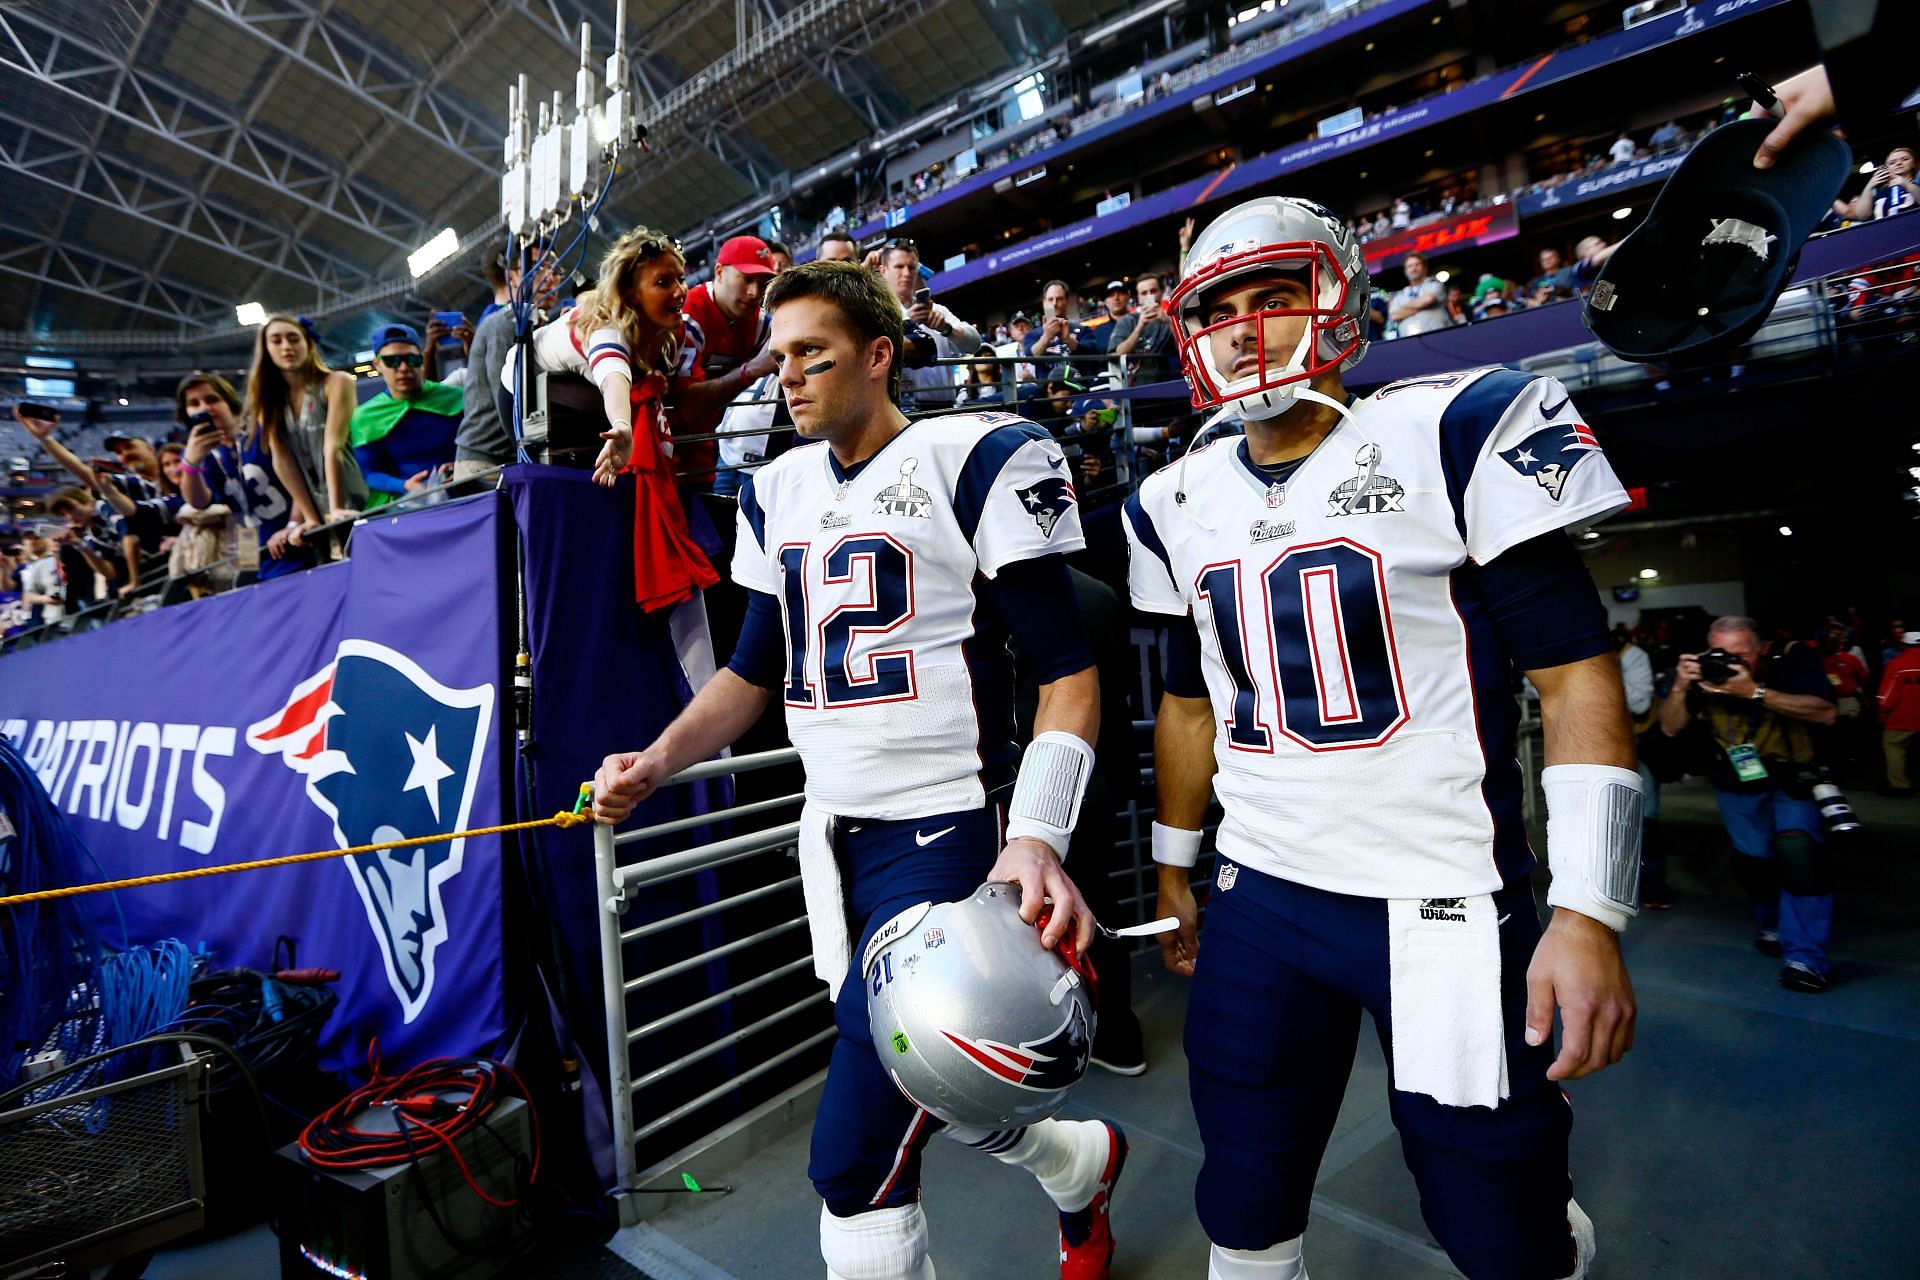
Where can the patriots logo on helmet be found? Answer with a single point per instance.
(389, 753)
(1055, 1061)
(1046, 501)
(1550, 455)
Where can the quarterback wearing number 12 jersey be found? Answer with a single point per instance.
(898, 686)
(1370, 744)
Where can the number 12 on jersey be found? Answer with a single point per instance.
(1333, 672)
(878, 574)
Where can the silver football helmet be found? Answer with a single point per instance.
(977, 1022)
(1269, 234)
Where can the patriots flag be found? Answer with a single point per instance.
(1550, 454)
(388, 753)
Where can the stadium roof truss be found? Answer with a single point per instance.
(162, 160)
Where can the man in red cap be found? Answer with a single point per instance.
(724, 350)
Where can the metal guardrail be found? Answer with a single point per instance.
(617, 882)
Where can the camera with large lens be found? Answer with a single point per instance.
(1717, 666)
(1836, 812)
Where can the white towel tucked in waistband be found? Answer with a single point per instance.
(1444, 963)
(826, 898)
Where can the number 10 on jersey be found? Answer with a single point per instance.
(1333, 670)
(878, 574)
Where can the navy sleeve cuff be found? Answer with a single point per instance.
(760, 657)
(1037, 600)
(1543, 603)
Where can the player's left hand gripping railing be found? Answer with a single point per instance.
(616, 882)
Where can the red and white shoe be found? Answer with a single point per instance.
(1086, 1235)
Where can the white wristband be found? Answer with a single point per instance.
(1593, 840)
(1047, 792)
(1175, 846)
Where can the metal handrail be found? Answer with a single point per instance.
(616, 882)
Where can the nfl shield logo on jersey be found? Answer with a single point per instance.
(1228, 874)
(1046, 501)
(1550, 455)
(388, 753)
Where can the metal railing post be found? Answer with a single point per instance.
(619, 1071)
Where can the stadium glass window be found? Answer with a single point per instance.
(1030, 95)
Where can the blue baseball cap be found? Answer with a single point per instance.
(1701, 274)
(394, 333)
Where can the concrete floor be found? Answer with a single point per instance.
(1752, 1133)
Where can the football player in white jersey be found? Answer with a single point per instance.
(1358, 585)
(888, 564)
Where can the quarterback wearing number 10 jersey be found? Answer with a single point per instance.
(1369, 749)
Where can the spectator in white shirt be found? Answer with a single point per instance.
(1421, 306)
(1402, 214)
(1621, 152)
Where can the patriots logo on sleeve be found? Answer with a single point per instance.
(1046, 500)
(1550, 455)
(389, 753)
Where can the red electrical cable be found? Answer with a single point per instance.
(418, 1101)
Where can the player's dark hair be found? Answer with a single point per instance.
(1064, 288)
(779, 247)
(493, 265)
(1154, 276)
(838, 233)
(200, 378)
(862, 298)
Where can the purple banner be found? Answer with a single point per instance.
(1482, 226)
(1260, 171)
(354, 704)
(1613, 179)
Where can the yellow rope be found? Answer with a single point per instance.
(562, 819)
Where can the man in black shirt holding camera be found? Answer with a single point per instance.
(1761, 710)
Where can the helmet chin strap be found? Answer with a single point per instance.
(1304, 392)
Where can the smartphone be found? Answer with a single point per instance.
(923, 295)
(453, 320)
(33, 409)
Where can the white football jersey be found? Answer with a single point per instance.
(898, 688)
(1366, 717)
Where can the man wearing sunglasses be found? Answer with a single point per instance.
(403, 437)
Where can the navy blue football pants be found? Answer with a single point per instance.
(1283, 974)
(867, 1137)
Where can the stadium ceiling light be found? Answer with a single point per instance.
(1649, 573)
(1623, 213)
(123, 400)
(1122, 23)
(1443, 276)
(250, 313)
(1786, 531)
(1865, 168)
(433, 252)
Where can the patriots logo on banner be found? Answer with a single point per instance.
(389, 753)
(1046, 501)
(1055, 1061)
(1550, 455)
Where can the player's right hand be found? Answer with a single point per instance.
(1179, 949)
(1688, 672)
(622, 781)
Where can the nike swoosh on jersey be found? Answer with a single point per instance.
(924, 841)
(1055, 462)
(1555, 411)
